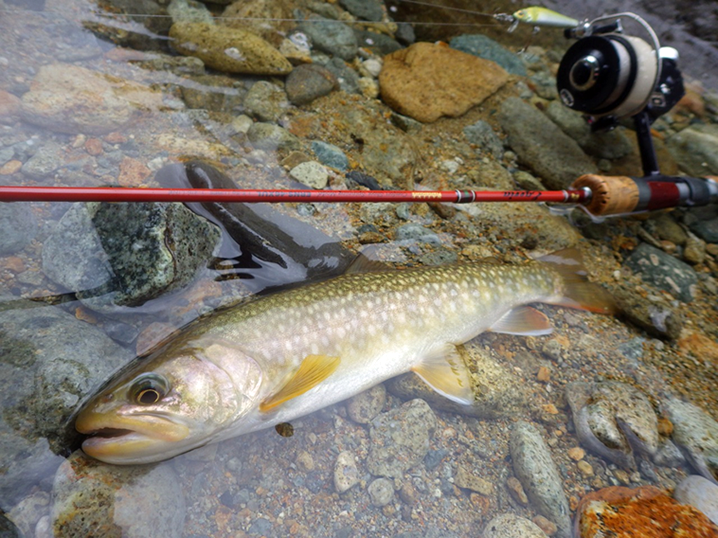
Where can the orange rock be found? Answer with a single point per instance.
(427, 81)
(13, 264)
(9, 107)
(132, 172)
(93, 146)
(643, 512)
(10, 167)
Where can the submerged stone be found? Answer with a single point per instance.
(18, 225)
(331, 36)
(664, 271)
(488, 49)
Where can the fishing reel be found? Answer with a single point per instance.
(609, 75)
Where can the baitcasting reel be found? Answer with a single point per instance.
(609, 75)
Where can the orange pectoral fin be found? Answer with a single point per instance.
(313, 370)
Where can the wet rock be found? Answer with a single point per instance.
(309, 82)
(517, 491)
(137, 501)
(488, 49)
(179, 65)
(330, 155)
(494, 386)
(72, 99)
(411, 233)
(700, 493)
(669, 455)
(346, 474)
(126, 254)
(466, 479)
(269, 137)
(663, 271)
(655, 317)
(643, 511)
(534, 467)
(542, 146)
(703, 221)
(331, 36)
(28, 512)
(45, 161)
(544, 84)
(666, 228)
(405, 33)
(378, 44)
(212, 92)
(347, 78)
(269, 19)
(8, 528)
(10, 106)
(696, 433)
(18, 225)
(613, 419)
(482, 135)
(266, 101)
(365, 406)
(400, 439)
(512, 526)
(228, 49)
(694, 250)
(381, 492)
(368, 10)
(311, 173)
(189, 11)
(695, 149)
(427, 81)
(611, 145)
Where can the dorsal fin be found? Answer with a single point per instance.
(446, 373)
(313, 370)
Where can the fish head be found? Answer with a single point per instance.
(170, 403)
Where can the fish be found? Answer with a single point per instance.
(541, 16)
(276, 358)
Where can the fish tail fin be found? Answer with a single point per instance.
(577, 291)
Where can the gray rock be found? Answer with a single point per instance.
(512, 526)
(663, 271)
(534, 467)
(405, 33)
(365, 406)
(657, 318)
(310, 173)
(482, 135)
(309, 82)
(330, 155)
(268, 137)
(381, 492)
(696, 433)
(212, 92)
(703, 221)
(542, 146)
(46, 160)
(544, 84)
(189, 11)
(368, 10)
(266, 101)
(133, 501)
(612, 144)
(379, 44)
(415, 233)
(694, 250)
(347, 78)
(18, 225)
(261, 527)
(699, 493)
(694, 148)
(669, 455)
(485, 47)
(346, 474)
(666, 228)
(400, 439)
(125, 254)
(331, 36)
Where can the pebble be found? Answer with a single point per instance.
(19, 226)
(378, 44)
(700, 493)
(365, 406)
(488, 49)
(269, 137)
(576, 453)
(189, 11)
(10, 106)
(368, 10)
(694, 251)
(216, 93)
(427, 81)
(512, 526)
(10, 167)
(668, 229)
(305, 461)
(538, 474)
(540, 144)
(230, 50)
(416, 233)
(346, 474)
(400, 439)
(266, 101)
(71, 99)
(91, 498)
(331, 36)
(517, 490)
(643, 511)
(482, 135)
(310, 173)
(381, 492)
(347, 78)
(663, 271)
(696, 432)
(703, 221)
(330, 155)
(309, 82)
(585, 468)
(466, 479)
(545, 525)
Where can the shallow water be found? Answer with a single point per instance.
(67, 321)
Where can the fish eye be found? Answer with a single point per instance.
(148, 389)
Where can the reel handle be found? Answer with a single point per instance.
(617, 195)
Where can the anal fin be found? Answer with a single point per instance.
(313, 370)
(446, 373)
(523, 320)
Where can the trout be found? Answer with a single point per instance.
(282, 356)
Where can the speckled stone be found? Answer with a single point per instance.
(18, 225)
(331, 36)
(365, 406)
(700, 493)
(663, 271)
(266, 101)
(696, 432)
(482, 135)
(368, 10)
(346, 474)
(269, 137)
(116, 501)
(538, 474)
(311, 173)
(309, 82)
(427, 81)
(228, 49)
(381, 492)
(512, 526)
(400, 439)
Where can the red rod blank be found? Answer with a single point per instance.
(109, 194)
